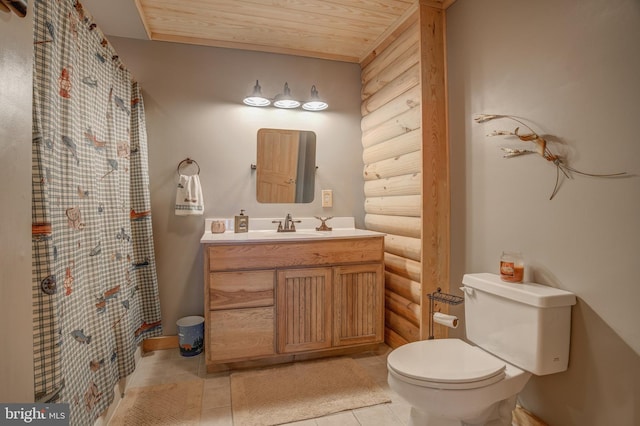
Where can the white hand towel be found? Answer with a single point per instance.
(189, 199)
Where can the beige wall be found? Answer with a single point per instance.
(571, 69)
(16, 353)
(193, 100)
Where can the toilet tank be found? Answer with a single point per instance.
(526, 324)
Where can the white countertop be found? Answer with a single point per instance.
(263, 230)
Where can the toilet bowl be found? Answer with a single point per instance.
(518, 330)
(449, 382)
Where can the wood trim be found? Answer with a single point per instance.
(438, 4)
(142, 16)
(252, 46)
(378, 348)
(161, 342)
(435, 183)
(522, 417)
(447, 3)
(390, 35)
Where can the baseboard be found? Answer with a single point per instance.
(159, 343)
(522, 417)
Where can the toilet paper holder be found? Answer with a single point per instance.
(439, 296)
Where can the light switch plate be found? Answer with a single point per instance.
(327, 198)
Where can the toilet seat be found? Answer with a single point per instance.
(445, 364)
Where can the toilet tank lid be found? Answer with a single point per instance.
(530, 293)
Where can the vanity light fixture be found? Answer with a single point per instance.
(284, 100)
(256, 98)
(314, 103)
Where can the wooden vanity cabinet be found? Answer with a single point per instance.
(276, 302)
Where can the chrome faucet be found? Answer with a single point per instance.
(289, 224)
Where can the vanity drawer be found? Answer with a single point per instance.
(295, 254)
(242, 289)
(240, 334)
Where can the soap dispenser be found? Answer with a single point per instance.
(241, 222)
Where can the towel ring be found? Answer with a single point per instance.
(188, 162)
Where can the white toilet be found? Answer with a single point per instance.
(519, 330)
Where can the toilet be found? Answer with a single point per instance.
(516, 329)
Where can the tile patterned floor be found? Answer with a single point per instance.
(167, 366)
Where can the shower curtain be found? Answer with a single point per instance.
(95, 294)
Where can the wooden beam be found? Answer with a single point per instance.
(402, 144)
(402, 326)
(390, 35)
(402, 286)
(400, 205)
(403, 246)
(393, 339)
(403, 307)
(408, 100)
(405, 226)
(402, 266)
(435, 158)
(399, 85)
(396, 185)
(406, 164)
(395, 126)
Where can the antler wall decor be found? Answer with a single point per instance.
(540, 148)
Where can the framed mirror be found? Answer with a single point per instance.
(285, 166)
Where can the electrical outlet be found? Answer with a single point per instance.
(327, 198)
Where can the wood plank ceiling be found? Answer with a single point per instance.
(342, 30)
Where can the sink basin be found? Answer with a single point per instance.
(273, 235)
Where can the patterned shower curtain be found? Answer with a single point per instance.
(95, 294)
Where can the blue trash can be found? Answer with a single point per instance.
(191, 335)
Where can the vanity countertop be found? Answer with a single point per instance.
(262, 230)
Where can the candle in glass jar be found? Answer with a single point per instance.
(511, 267)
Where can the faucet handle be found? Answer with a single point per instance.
(323, 226)
(279, 222)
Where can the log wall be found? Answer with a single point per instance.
(405, 172)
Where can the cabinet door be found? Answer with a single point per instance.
(239, 334)
(358, 304)
(304, 309)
